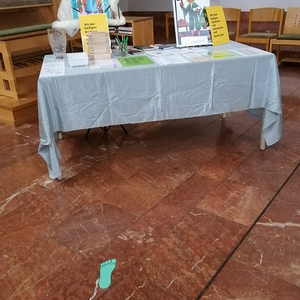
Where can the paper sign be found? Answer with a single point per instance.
(88, 23)
(52, 69)
(218, 25)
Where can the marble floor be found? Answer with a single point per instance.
(185, 209)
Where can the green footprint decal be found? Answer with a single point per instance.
(106, 269)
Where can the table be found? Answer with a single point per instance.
(84, 98)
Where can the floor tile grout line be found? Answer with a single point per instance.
(246, 234)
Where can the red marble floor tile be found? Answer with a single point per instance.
(267, 169)
(28, 258)
(185, 260)
(291, 190)
(225, 131)
(249, 141)
(290, 139)
(140, 130)
(79, 153)
(135, 242)
(135, 287)
(199, 150)
(90, 229)
(29, 131)
(35, 270)
(94, 184)
(18, 228)
(168, 136)
(287, 111)
(223, 164)
(273, 246)
(288, 87)
(289, 76)
(127, 163)
(240, 281)
(293, 121)
(20, 174)
(77, 283)
(173, 131)
(138, 194)
(97, 144)
(293, 98)
(236, 201)
(17, 144)
(190, 193)
(7, 136)
(49, 206)
(171, 168)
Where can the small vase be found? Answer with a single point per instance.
(58, 42)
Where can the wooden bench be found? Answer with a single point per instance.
(21, 57)
(168, 16)
(23, 43)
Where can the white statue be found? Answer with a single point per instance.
(117, 16)
(71, 25)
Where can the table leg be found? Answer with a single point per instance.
(262, 144)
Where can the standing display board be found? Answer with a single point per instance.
(89, 7)
(218, 25)
(92, 23)
(191, 23)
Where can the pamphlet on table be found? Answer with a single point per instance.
(135, 61)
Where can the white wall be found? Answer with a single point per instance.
(246, 5)
(166, 5)
(124, 5)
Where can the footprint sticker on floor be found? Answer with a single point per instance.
(106, 269)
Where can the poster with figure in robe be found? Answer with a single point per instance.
(90, 7)
(191, 23)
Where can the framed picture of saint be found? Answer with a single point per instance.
(191, 23)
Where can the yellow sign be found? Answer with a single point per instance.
(218, 25)
(88, 23)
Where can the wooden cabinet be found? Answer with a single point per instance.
(142, 30)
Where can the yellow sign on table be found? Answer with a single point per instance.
(89, 23)
(218, 25)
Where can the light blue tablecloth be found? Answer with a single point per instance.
(84, 98)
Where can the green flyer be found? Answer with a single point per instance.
(138, 60)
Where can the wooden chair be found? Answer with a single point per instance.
(291, 31)
(233, 16)
(265, 15)
(169, 16)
